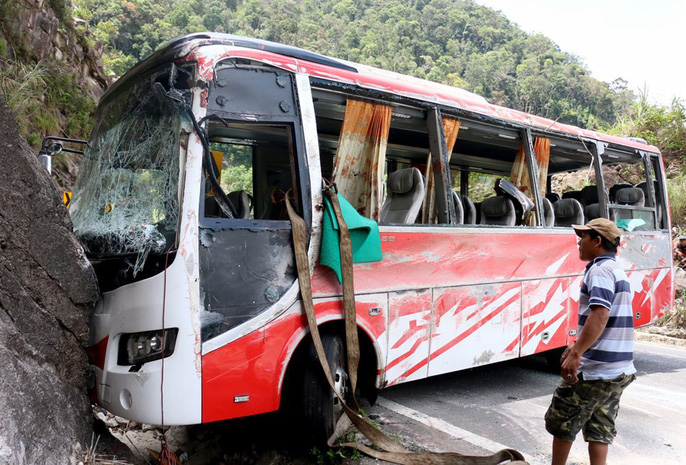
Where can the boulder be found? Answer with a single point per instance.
(679, 280)
(47, 289)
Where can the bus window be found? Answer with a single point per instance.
(486, 158)
(578, 196)
(571, 184)
(384, 177)
(660, 191)
(631, 201)
(253, 167)
(126, 203)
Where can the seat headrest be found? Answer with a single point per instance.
(592, 211)
(589, 194)
(630, 196)
(566, 208)
(616, 187)
(495, 206)
(402, 181)
(241, 200)
(572, 195)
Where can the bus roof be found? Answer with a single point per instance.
(367, 77)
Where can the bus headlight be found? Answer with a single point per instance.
(139, 348)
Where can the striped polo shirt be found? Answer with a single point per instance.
(612, 354)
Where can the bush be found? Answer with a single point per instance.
(45, 100)
(676, 187)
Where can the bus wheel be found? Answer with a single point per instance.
(321, 407)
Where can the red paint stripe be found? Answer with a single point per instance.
(512, 345)
(542, 327)
(410, 333)
(407, 354)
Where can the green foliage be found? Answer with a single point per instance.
(22, 86)
(664, 127)
(482, 186)
(676, 188)
(44, 98)
(334, 456)
(676, 317)
(62, 11)
(456, 42)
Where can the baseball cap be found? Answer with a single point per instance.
(606, 228)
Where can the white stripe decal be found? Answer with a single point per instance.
(448, 428)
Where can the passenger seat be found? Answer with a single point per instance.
(591, 212)
(548, 213)
(615, 188)
(405, 193)
(242, 202)
(552, 196)
(498, 210)
(632, 196)
(658, 203)
(469, 210)
(572, 195)
(459, 208)
(568, 212)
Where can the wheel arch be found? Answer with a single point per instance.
(295, 351)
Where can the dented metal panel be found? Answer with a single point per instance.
(545, 315)
(409, 332)
(475, 325)
(242, 273)
(255, 365)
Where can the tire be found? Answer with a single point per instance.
(321, 408)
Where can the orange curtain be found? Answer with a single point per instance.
(542, 151)
(451, 127)
(360, 163)
(520, 173)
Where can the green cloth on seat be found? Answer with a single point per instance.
(630, 224)
(364, 236)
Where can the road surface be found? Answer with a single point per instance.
(502, 405)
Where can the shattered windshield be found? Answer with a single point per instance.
(126, 193)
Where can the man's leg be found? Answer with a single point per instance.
(561, 451)
(597, 452)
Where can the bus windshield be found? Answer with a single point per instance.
(126, 194)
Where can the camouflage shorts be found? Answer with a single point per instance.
(590, 406)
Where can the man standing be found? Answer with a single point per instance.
(599, 366)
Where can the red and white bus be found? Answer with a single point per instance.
(179, 205)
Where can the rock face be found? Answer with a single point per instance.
(47, 289)
(34, 27)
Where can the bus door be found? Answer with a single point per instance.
(255, 137)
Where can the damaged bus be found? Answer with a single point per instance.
(180, 207)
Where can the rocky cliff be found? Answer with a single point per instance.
(47, 287)
(51, 74)
(44, 31)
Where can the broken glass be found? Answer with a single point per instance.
(126, 193)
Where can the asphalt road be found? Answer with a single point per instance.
(502, 405)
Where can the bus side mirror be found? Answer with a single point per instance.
(46, 153)
(51, 146)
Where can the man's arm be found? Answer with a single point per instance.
(593, 328)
